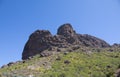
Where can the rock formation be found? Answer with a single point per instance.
(116, 45)
(42, 40)
(66, 30)
(88, 40)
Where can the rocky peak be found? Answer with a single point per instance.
(66, 30)
(40, 34)
(42, 42)
(38, 42)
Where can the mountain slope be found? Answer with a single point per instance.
(67, 64)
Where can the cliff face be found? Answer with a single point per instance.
(42, 40)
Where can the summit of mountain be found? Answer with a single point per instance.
(43, 42)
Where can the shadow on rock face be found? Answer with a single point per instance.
(42, 40)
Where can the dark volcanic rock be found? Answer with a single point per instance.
(88, 40)
(38, 42)
(67, 62)
(66, 30)
(42, 42)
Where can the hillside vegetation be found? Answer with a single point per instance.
(94, 63)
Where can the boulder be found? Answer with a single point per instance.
(117, 73)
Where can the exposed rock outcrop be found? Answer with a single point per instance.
(66, 30)
(38, 42)
(88, 40)
(42, 42)
(68, 33)
(116, 45)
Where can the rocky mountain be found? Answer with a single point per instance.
(43, 42)
(66, 54)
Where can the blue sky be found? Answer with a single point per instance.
(19, 18)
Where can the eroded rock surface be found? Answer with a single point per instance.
(43, 42)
